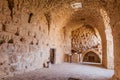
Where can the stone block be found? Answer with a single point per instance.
(11, 28)
(0, 27)
(75, 58)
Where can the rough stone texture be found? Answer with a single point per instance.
(29, 28)
(84, 39)
(75, 58)
(26, 36)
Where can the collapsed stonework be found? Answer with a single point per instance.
(29, 28)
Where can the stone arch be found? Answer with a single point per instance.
(102, 24)
(91, 56)
(108, 57)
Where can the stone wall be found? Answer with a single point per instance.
(26, 36)
(113, 11)
(84, 39)
(29, 28)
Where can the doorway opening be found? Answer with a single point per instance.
(91, 57)
(52, 55)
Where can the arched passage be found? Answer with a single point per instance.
(53, 16)
(100, 24)
(91, 57)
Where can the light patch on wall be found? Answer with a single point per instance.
(77, 5)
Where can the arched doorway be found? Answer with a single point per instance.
(91, 57)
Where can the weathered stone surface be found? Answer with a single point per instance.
(75, 58)
(85, 38)
(27, 34)
(24, 38)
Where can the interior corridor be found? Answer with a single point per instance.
(65, 33)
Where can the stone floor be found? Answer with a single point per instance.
(66, 71)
